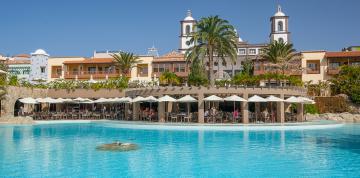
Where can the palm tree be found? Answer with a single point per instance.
(125, 61)
(213, 36)
(169, 78)
(281, 54)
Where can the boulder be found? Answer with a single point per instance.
(117, 146)
(347, 117)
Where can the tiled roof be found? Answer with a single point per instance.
(11, 62)
(23, 55)
(343, 54)
(172, 56)
(91, 61)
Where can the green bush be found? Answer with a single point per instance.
(347, 82)
(311, 109)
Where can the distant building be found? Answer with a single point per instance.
(322, 65)
(353, 48)
(280, 27)
(39, 66)
(171, 62)
(57, 68)
(20, 67)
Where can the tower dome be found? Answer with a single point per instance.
(39, 52)
(279, 13)
(188, 16)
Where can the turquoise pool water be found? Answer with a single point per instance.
(68, 150)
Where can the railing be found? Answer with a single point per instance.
(88, 74)
(333, 70)
(313, 71)
(180, 74)
(55, 75)
(287, 71)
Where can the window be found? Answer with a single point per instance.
(357, 63)
(42, 69)
(58, 71)
(280, 26)
(312, 66)
(142, 70)
(156, 68)
(187, 29)
(252, 51)
(334, 65)
(242, 51)
(261, 51)
(75, 71)
(179, 67)
(281, 40)
(92, 70)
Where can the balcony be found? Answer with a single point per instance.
(55, 75)
(312, 71)
(88, 74)
(287, 72)
(179, 74)
(333, 70)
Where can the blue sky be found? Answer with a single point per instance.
(78, 27)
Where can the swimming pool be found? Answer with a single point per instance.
(68, 150)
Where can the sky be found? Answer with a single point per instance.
(78, 27)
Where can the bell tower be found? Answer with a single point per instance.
(280, 27)
(187, 28)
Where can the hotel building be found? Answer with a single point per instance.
(323, 65)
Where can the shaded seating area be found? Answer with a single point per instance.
(225, 108)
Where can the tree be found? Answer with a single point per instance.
(347, 82)
(125, 61)
(282, 55)
(169, 78)
(213, 36)
(197, 74)
(248, 67)
(3, 76)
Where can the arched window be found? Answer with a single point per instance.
(187, 29)
(280, 26)
(281, 40)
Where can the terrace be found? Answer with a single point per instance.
(337, 59)
(96, 68)
(266, 67)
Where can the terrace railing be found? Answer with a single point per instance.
(88, 74)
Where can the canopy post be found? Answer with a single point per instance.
(280, 111)
(245, 109)
(300, 110)
(201, 118)
(161, 111)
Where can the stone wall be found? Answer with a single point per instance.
(339, 117)
(331, 104)
(15, 93)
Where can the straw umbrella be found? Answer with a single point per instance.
(234, 98)
(150, 99)
(272, 99)
(29, 101)
(256, 99)
(167, 99)
(187, 99)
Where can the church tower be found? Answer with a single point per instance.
(280, 27)
(187, 27)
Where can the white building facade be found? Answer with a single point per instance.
(39, 66)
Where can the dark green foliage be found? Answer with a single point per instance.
(347, 82)
(214, 37)
(311, 109)
(197, 74)
(169, 78)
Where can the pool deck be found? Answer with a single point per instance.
(197, 126)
